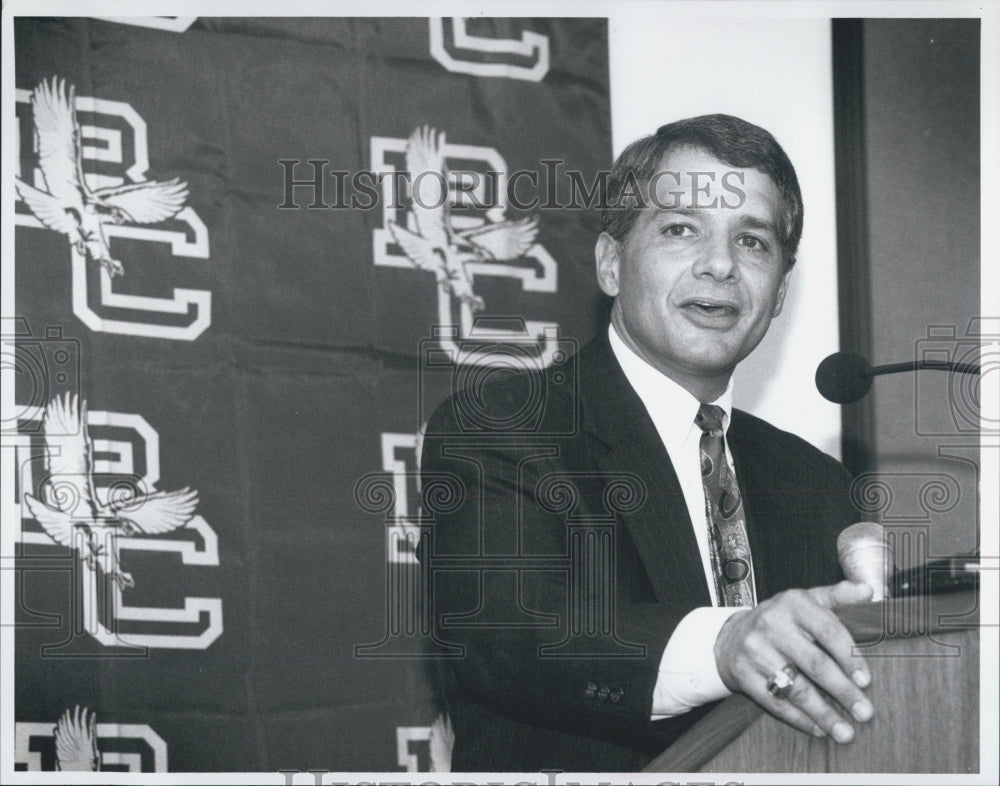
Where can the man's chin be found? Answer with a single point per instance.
(701, 374)
(714, 353)
(710, 361)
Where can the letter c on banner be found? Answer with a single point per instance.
(463, 53)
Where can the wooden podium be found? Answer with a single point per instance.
(923, 653)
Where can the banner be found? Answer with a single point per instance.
(252, 255)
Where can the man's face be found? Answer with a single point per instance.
(697, 279)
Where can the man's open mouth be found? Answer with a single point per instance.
(712, 308)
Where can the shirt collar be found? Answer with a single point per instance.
(671, 407)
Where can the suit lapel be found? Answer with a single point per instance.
(752, 475)
(661, 529)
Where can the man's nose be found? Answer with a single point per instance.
(717, 259)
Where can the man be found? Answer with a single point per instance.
(605, 578)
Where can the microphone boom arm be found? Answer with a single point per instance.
(930, 365)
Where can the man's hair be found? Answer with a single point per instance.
(731, 140)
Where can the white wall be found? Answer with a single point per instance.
(776, 73)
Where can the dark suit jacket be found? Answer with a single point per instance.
(563, 558)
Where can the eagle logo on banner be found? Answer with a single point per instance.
(76, 741)
(69, 206)
(435, 245)
(73, 517)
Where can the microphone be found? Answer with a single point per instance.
(845, 377)
(864, 557)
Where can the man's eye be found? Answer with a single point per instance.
(752, 242)
(677, 230)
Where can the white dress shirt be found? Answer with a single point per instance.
(688, 674)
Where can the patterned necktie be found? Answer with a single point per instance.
(730, 549)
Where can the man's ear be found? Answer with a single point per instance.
(782, 289)
(608, 264)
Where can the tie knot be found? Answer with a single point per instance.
(709, 419)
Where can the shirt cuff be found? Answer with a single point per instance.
(688, 675)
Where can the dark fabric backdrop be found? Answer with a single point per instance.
(277, 365)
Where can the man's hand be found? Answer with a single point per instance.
(798, 628)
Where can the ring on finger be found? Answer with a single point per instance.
(782, 681)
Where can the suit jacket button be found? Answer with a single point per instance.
(590, 690)
(616, 695)
(603, 693)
